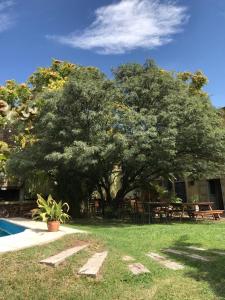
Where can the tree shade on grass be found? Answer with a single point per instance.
(22, 277)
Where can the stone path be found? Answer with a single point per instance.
(127, 258)
(93, 265)
(165, 262)
(196, 248)
(187, 254)
(210, 251)
(137, 269)
(217, 252)
(57, 259)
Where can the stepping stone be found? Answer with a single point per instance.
(127, 258)
(217, 252)
(165, 262)
(138, 268)
(60, 257)
(196, 248)
(210, 251)
(184, 253)
(93, 265)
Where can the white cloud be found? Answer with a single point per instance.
(129, 24)
(6, 19)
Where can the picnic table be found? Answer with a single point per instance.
(147, 210)
(191, 208)
(205, 210)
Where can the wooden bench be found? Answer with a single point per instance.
(215, 213)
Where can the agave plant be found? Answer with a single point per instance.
(50, 210)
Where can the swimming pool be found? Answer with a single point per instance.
(8, 228)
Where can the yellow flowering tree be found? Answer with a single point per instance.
(196, 81)
(19, 104)
(51, 78)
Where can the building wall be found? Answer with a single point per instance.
(201, 189)
(222, 181)
(191, 189)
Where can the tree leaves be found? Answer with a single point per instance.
(146, 121)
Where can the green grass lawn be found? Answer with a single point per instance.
(22, 277)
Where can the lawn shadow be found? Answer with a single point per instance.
(212, 271)
(109, 223)
(100, 222)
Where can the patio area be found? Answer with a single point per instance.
(35, 234)
(147, 212)
(138, 211)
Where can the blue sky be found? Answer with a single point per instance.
(180, 35)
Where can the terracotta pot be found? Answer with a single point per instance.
(53, 226)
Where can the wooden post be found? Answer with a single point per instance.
(222, 182)
(21, 194)
(187, 189)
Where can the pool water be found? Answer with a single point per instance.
(3, 233)
(8, 228)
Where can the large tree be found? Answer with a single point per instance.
(19, 107)
(118, 135)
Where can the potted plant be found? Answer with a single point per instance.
(51, 212)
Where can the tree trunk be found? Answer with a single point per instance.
(102, 200)
(118, 200)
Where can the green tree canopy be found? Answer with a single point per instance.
(142, 125)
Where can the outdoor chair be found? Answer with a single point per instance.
(176, 210)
